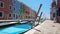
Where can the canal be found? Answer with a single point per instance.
(15, 29)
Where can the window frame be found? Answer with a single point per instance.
(2, 14)
(14, 15)
(10, 6)
(10, 15)
(3, 4)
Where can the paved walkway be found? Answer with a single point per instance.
(47, 27)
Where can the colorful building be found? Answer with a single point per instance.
(58, 11)
(27, 12)
(55, 11)
(33, 14)
(5, 9)
(13, 9)
(30, 14)
(23, 11)
(16, 9)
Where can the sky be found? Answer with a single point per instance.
(34, 4)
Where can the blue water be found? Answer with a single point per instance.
(16, 29)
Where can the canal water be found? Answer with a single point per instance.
(18, 29)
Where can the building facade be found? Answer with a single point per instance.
(16, 9)
(28, 16)
(13, 9)
(58, 10)
(30, 13)
(55, 11)
(23, 11)
(33, 14)
(5, 9)
(27, 12)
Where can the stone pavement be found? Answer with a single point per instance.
(47, 27)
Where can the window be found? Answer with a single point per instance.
(27, 12)
(19, 15)
(1, 14)
(9, 15)
(1, 4)
(58, 12)
(10, 7)
(14, 8)
(13, 15)
(53, 14)
(26, 16)
(10, 0)
(16, 16)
